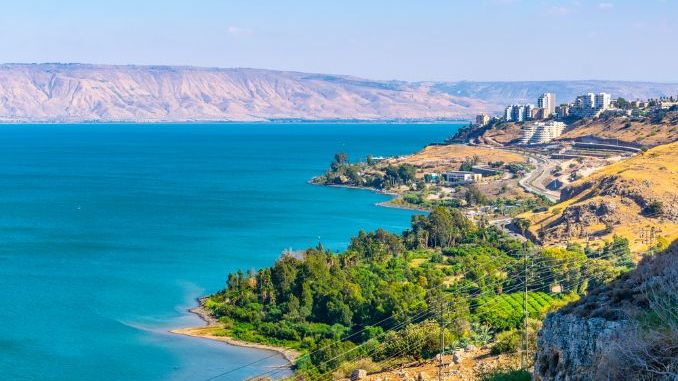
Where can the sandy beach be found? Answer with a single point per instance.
(208, 332)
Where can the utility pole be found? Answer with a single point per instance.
(525, 345)
(442, 339)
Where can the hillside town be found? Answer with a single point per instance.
(546, 121)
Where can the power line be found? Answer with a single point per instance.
(542, 260)
(516, 287)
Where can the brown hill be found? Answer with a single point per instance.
(635, 198)
(659, 128)
(77, 92)
(57, 92)
(496, 133)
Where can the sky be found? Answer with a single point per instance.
(390, 39)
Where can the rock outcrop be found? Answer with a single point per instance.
(634, 198)
(627, 330)
(574, 348)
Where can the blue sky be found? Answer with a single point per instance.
(409, 40)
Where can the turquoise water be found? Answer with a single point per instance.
(109, 232)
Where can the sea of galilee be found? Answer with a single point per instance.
(110, 233)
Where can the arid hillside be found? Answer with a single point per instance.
(649, 131)
(436, 155)
(658, 128)
(78, 92)
(56, 92)
(635, 198)
(626, 330)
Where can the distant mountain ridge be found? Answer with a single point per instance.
(107, 93)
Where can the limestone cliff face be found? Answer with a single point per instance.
(625, 198)
(575, 348)
(627, 330)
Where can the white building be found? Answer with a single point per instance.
(591, 104)
(602, 101)
(547, 101)
(541, 132)
(460, 177)
(527, 111)
(508, 112)
(517, 113)
(589, 100)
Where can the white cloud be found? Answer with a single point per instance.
(238, 31)
(605, 6)
(560, 10)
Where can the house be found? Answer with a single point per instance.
(461, 177)
(486, 172)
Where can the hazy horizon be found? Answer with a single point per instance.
(336, 74)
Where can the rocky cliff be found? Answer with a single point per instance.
(76, 92)
(627, 330)
(635, 198)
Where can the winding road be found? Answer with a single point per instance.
(534, 180)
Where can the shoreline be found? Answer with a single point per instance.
(383, 204)
(290, 355)
(205, 332)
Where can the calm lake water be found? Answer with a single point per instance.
(109, 232)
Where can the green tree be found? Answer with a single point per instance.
(523, 224)
(340, 159)
(623, 103)
(474, 196)
(407, 173)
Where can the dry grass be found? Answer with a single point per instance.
(651, 176)
(456, 153)
(472, 365)
(644, 132)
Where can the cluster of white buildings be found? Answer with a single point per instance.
(546, 106)
(545, 115)
(588, 105)
(542, 132)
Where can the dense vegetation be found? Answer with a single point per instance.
(415, 191)
(377, 299)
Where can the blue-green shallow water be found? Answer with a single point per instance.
(109, 232)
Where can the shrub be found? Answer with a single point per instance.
(346, 368)
(506, 342)
(653, 209)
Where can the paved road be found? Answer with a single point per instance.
(534, 180)
(502, 223)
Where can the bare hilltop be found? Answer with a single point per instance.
(105, 93)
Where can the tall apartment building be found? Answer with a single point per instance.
(517, 113)
(508, 111)
(588, 100)
(547, 101)
(602, 101)
(528, 111)
(589, 104)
